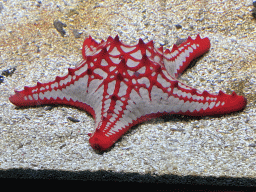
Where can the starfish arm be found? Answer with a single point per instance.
(180, 99)
(74, 89)
(81, 87)
(178, 59)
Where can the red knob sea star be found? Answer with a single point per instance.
(123, 85)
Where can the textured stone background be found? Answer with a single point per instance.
(44, 139)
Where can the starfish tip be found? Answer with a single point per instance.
(99, 142)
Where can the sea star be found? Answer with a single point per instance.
(122, 85)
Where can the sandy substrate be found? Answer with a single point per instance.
(43, 138)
